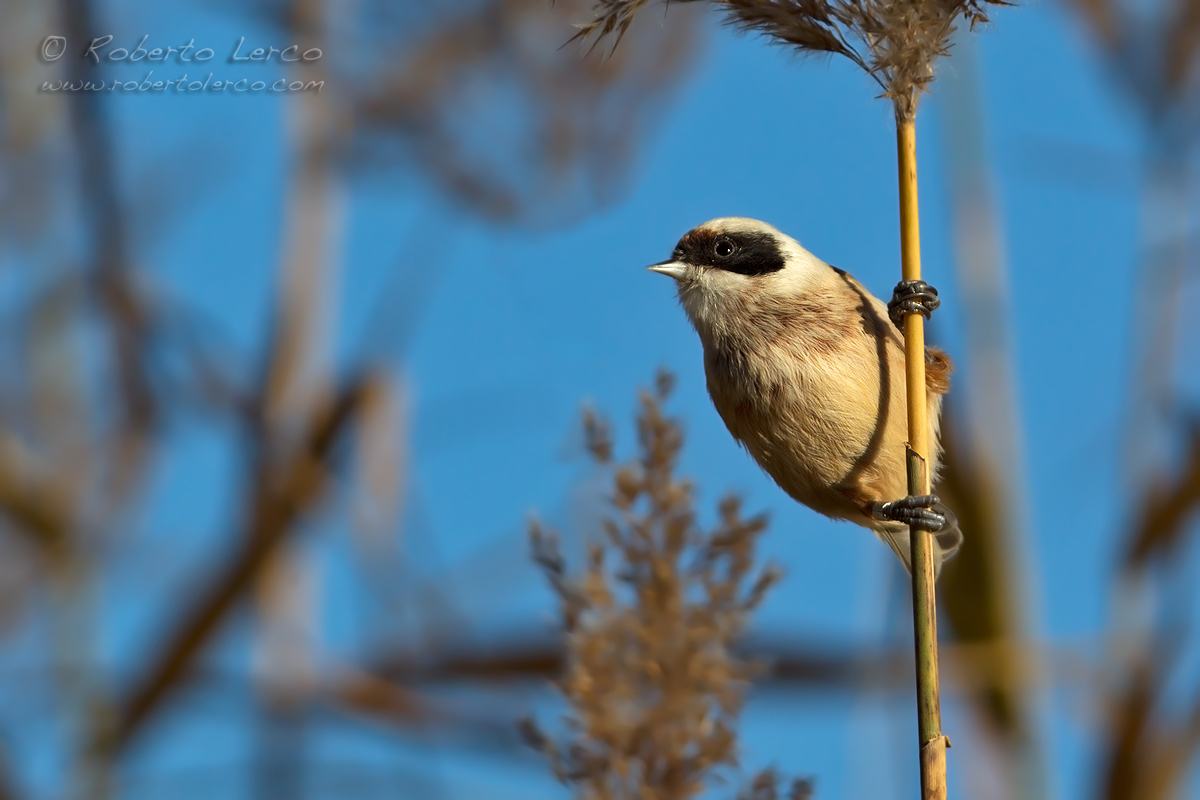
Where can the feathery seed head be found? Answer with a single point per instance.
(896, 42)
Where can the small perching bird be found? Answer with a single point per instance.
(807, 372)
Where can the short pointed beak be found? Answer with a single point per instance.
(672, 268)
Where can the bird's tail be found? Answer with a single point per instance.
(946, 542)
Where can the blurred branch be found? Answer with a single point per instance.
(465, 68)
(973, 667)
(34, 503)
(1173, 758)
(1166, 508)
(978, 595)
(295, 379)
(1152, 48)
(783, 664)
(1148, 756)
(282, 497)
(129, 327)
(366, 694)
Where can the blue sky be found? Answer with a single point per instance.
(517, 329)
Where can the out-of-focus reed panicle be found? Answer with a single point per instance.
(652, 683)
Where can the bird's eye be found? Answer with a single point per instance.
(724, 248)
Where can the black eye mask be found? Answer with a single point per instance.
(753, 253)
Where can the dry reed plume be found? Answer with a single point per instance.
(895, 42)
(651, 679)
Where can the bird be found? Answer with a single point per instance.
(807, 373)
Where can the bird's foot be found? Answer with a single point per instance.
(912, 297)
(916, 511)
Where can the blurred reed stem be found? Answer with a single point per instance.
(991, 595)
(929, 714)
(73, 632)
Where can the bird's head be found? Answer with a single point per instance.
(727, 265)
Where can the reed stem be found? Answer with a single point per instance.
(929, 715)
